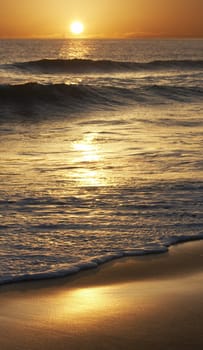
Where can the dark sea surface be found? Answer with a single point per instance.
(100, 152)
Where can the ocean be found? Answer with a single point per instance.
(101, 152)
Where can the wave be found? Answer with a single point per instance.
(98, 260)
(35, 95)
(103, 66)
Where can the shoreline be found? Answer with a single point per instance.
(94, 265)
(145, 301)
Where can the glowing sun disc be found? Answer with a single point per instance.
(76, 27)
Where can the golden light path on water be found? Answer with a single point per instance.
(89, 155)
(88, 149)
(75, 49)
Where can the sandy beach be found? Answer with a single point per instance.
(131, 303)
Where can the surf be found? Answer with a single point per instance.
(104, 66)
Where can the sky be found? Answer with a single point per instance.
(101, 18)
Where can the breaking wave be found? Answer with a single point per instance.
(95, 262)
(36, 95)
(88, 66)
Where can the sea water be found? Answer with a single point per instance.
(100, 151)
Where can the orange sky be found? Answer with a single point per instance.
(102, 18)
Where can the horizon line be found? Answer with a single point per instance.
(148, 37)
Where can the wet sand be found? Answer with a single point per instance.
(131, 303)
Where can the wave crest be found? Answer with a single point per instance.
(104, 66)
(35, 95)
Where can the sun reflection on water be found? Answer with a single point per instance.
(92, 178)
(87, 149)
(74, 49)
(88, 156)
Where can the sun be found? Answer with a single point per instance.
(77, 27)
